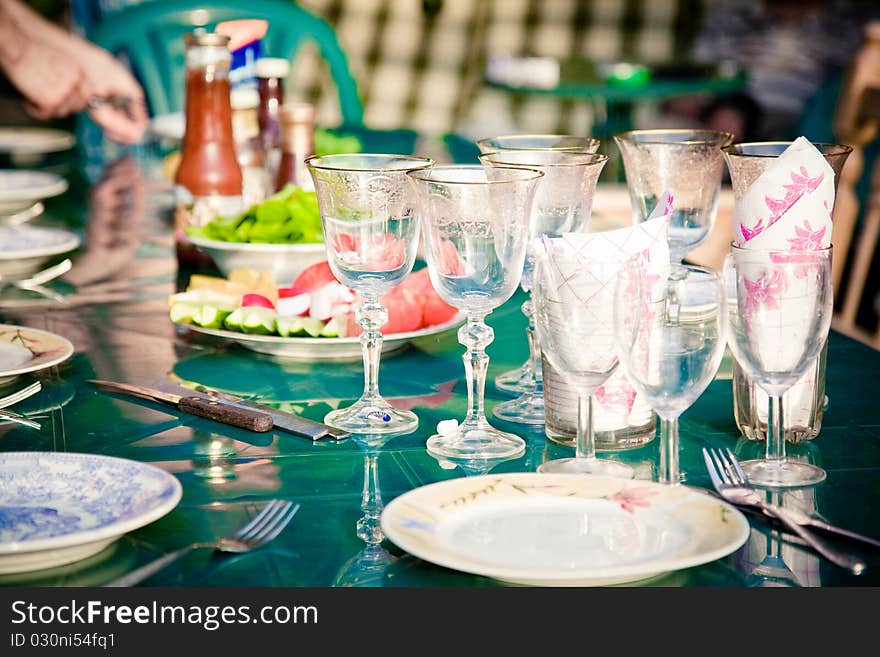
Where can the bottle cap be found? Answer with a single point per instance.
(244, 98)
(272, 67)
(298, 113)
(202, 37)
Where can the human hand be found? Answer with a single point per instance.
(52, 84)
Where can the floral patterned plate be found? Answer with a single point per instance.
(561, 529)
(56, 508)
(24, 349)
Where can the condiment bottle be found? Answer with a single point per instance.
(271, 73)
(208, 179)
(248, 146)
(297, 143)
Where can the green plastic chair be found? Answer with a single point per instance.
(150, 36)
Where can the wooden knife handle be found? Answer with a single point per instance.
(226, 413)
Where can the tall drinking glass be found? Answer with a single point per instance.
(371, 231)
(521, 379)
(562, 205)
(476, 225)
(779, 315)
(687, 163)
(576, 331)
(671, 336)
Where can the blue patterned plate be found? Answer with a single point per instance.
(56, 508)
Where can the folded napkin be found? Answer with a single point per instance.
(788, 207)
(586, 266)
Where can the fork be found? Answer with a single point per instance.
(732, 484)
(263, 528)
(20, 395)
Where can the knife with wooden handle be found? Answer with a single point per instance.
(211, 409)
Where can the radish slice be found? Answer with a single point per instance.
(294, 306)
(259, 300)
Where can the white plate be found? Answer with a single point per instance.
(283, 261)
(168, 126)
(19, 189)
(24, 349)
(335, 349)
(563, 530)
(25, 249)
(34, 141)
(56, 508)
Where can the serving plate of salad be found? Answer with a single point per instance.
(312, 319)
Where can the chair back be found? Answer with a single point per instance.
(857, 123)
(150, 36)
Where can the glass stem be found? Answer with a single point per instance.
(371, 316)
(368, 527)
(775, 434)
(476, 335)
(535, 376)
(585, 445)
(669, 473)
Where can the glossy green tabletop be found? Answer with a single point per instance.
(116, 316)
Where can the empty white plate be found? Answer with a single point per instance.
(20, 189)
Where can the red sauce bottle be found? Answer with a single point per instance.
(209, 179)
(297, 143)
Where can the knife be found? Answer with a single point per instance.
(195, 405)
(285, 420)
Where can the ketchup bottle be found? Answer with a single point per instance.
(209, 179)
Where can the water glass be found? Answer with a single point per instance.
(562, 205)
(371, 232)
(476, 229)
(687, 163)
(779, 315)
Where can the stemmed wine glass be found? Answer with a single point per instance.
(522, 379)
(576, 332)
(475, 223)
(670, 331)
(371, 231)
(562, 205)
(687, 163)
(779, 315)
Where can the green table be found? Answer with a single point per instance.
(121, 331)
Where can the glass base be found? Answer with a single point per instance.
(517, 381)
(477, 440)
(528, 408)
(782, 474)
(593, 466)
(372, 416)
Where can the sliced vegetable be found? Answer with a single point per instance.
(288, 327)
(259, 321)
(210, 316)
(335, 328)
(312, 326)
(184, 311)
(258, 300)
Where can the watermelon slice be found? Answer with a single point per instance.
(314, 276)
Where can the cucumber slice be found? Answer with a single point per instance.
(210, 316)
(234, 319)
(313, 326)
(334, 328)
(257, 320)
(288, 327)
(183, 312)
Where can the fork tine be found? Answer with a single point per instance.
(728, 466)
(719, 465)
(266, 516)
(256, 536)
(742, 475)
(710, 468)
(282, 522)
(266, 510)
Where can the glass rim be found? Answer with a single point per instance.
(485, 141)
(596, 158)
(743, 249)
(312, 162)
(824, 147)
(424, 174)
(628, 135)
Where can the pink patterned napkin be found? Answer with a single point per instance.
(586, 265)
(788, 207)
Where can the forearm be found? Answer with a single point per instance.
(30, 25)
(12, 43)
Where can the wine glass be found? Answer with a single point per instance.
(576, 332)
(371, 231)
(562, 205)
(475, 222)
(521, 379)
(687, 163)
(670, 332)
(779, 315)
